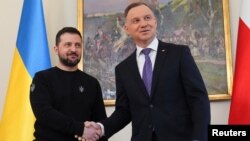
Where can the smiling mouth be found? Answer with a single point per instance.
(72, 56)
(143, 31)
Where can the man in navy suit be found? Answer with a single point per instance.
(176, 107)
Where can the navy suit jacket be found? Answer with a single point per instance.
(178, 108)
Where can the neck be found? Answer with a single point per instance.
(67, 68)
(144, 43)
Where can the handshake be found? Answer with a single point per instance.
(92, 132)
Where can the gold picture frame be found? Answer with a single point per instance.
(216, 69)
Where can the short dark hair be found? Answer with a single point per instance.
(135, 4)
(66, 30)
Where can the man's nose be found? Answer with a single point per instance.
(73, 48)
(144, 23)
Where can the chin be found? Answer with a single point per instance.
(147, 38)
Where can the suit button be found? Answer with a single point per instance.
(151, 106)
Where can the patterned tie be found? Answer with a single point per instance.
(147, 70)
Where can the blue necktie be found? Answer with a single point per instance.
(147, 70)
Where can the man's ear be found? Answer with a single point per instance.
(56, 49)
(126, 29)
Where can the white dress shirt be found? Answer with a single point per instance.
(140, 57)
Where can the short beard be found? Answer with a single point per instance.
(69, 63)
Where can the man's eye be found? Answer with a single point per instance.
(67, 44)
(78, 45)
(147, 18)
(134, 21)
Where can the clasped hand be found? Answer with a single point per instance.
(92, 132)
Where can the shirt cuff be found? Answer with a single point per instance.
(102, 128)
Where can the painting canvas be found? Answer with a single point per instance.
(202, 25)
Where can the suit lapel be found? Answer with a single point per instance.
(159, 61)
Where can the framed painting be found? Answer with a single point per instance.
(202, 25)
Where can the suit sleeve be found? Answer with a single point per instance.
(196, 95)
(121, 116)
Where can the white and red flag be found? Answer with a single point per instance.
(240, 102)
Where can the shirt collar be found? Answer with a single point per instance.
(153, 45)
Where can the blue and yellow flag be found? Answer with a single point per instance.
(31, 55)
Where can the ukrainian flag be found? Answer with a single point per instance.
(31, 55)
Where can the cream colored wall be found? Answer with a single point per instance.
(59, 13)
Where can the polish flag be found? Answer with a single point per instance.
(240, 102)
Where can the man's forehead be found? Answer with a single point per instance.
(139, 11)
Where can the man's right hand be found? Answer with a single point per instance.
(92, 131)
